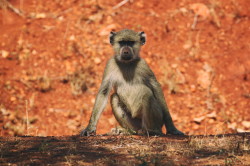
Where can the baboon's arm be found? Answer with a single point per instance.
(100, 102)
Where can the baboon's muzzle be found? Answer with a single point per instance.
(126, 54)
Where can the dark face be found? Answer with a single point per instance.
(126, 50)
(126, 44)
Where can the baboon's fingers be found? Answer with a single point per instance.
(87, 132)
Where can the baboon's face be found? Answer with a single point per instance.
(126, 44)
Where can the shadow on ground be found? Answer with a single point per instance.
(126, 150)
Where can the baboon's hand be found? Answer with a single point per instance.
(88, 132)
(175, 132)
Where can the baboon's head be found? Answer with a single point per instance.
(127, 44)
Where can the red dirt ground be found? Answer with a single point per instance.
(52, 56)
(52, 59)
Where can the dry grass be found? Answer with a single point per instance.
(127, 150)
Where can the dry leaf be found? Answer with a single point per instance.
(200, 10)
(203, 79)
(105, 31)
(198, 120)
(212, 115)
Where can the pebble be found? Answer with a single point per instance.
(174, 66)
(192, 88)
(72, 38)
(13, 98)
(40, 15)
(5, 54)
(246, 124)
(97, 61)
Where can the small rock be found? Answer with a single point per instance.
(192, 88)
(61, 18)
(211, 121)
(207, 67)
(174, 66)
(183, 10)
(13, 98)
(246, 124)
(40, 15)
(188, 45)
(200, 10)
(203, 79)
(72, 38)
(239, 130)
(182, 69)
(5, 54)
(44, 84)
(4, 112)
(93, 100)
(34, 52)
(198, 120)
(97, 61)
(232, 125)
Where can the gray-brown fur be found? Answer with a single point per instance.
(138, 102)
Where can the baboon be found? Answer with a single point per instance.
(138, 102)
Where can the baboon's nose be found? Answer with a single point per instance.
(125, 52)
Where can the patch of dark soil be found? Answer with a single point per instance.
(126, 150)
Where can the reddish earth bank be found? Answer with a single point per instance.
(52, 55)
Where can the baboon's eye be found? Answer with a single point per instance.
(126, 43)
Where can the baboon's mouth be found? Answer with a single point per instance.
(126, 57)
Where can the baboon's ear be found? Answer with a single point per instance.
(142, 37)
(111, 37)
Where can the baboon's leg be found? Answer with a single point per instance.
(152, 118)
(122, 116)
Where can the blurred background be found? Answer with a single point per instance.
(52, 56)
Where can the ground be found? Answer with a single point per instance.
(52, 56)
(126, 150)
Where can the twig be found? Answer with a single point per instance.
(5, 3)
(120, 4)
(216, 19)
(195, 22)
(27, 117)
(209, 101)
(66, 31)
